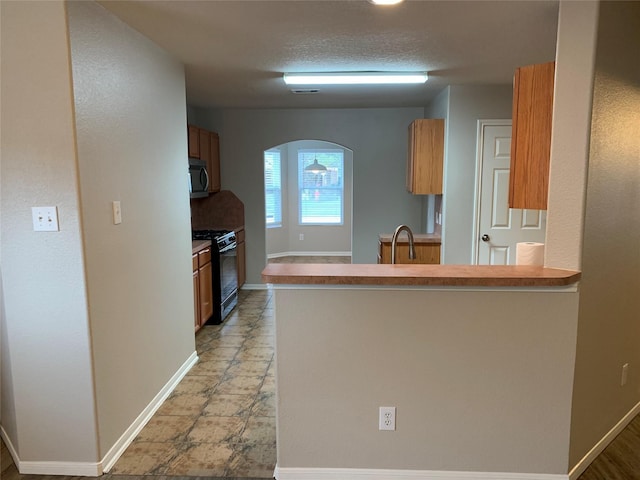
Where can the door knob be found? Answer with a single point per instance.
(486, 238)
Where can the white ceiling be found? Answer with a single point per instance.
(235, 52)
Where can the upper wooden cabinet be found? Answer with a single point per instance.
(426, 156)
(214, 175)
(205, 145)
(193, 134)
(531, 136)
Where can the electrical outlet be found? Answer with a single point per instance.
(301, 236)
(625, 374)
(387, 418)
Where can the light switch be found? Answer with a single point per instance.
(117, 213)
(45, 219)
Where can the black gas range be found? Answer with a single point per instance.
(223, 238)
(224, 262)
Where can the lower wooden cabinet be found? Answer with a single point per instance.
(196, 294)
(202, 287)
(425, 253)
(206, 293)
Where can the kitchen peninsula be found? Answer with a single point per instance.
(477, 360)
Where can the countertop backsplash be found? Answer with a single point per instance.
(222, 210)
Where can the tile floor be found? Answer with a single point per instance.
(220, 419)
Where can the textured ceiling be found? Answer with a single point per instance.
(235, 52)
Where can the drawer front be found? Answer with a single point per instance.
(204, 256)
(194, 261)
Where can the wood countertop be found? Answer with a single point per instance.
(418, 275)
(418, 238)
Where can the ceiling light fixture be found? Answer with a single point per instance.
(305, 91)
(354, 78)
(385, 2)
(315, 167)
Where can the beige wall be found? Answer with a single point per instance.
(132, 146)
(46, 358)
(119, 297)
(609, 315)
(466, 105)
(577, 31)
(477, 388)
(376, 136)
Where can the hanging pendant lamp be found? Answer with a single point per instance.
(315, 167)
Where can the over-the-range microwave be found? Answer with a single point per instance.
(198, 178)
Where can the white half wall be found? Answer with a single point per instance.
(481, 379)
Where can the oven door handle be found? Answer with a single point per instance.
(231, 246)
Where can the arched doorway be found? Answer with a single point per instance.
(308, 210)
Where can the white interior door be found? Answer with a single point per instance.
(499, 227)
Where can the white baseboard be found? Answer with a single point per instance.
(254, 286)
(84, 469)
(138, 424)
(374, 474)
(74, 469)
(582, 465)
(87, 469)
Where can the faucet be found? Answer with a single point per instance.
(394, 239)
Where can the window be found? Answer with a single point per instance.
(321, 194)
(272, 188)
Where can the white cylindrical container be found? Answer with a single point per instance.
(529, 253)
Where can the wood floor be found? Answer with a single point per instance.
(620, 460)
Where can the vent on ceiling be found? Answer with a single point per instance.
(304, 91)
